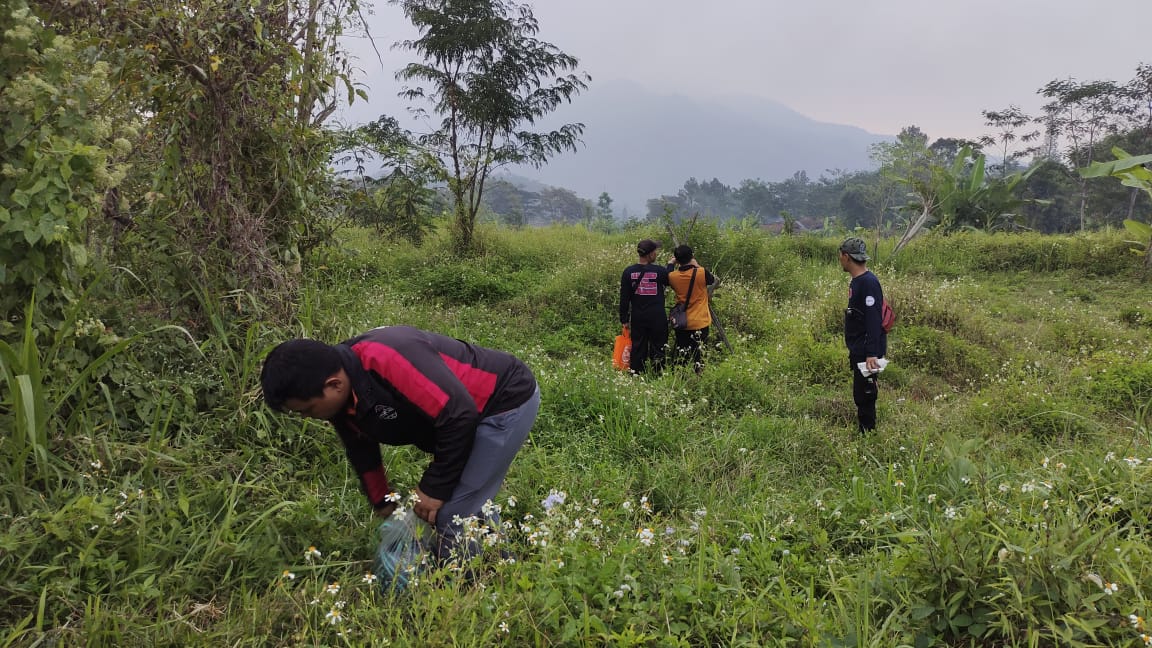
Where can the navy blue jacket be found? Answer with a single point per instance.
(863, 334)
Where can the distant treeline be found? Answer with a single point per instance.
(1023, 175)
(1049, 197)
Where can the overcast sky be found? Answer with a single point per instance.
(876, 64)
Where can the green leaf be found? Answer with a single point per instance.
(1136, 183)
(922, 612)
(1138, 229)
(21, 198)
(1112, 167)
(38, 186)
(48, 230)
(976, 180)
(79, 253)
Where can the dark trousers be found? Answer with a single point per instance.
(498, 439)
(688, 345)
(648, 342)
(864, 393)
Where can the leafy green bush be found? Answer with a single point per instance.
(53, 172)
(465, 284)
(1045, 411)
(1099, 255)
(944, 355)
(1121, 385)
(1135, 316)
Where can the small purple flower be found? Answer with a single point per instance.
(555, 498)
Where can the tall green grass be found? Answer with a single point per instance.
(1003, 500)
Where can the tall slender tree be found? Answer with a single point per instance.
(487, 77)
(1081, 113)
(1008, 123)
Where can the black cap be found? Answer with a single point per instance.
(647, 246)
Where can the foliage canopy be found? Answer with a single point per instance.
(487, 77)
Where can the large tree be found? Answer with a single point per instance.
(1008, 123)
(1081, 114)
(487, 77)
(234, 184)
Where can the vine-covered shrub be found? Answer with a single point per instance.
(58, 158)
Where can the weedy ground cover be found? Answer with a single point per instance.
(1004, 500)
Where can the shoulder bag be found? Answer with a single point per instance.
(678, 314)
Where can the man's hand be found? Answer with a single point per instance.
(385, 510)
(871, 363)
(426, 507)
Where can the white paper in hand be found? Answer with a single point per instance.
(865, 371)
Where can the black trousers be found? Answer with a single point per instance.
(864, 394)
(648, 341)
(688, 345)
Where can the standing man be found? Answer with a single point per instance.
(469, 407)
(863, 330)
(691, 283)
(642, 307)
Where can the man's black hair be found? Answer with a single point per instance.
(683, 254)
(297, 369)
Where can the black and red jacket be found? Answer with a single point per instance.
(413, 387)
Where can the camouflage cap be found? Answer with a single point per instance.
(855, 248)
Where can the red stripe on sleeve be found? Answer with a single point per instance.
(376, 486)
(479, 383)
(403, 375)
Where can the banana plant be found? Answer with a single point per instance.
(1133, 171)
(963, 196)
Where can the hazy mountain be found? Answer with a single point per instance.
(639, 144)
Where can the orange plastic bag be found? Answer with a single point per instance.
(622, 350)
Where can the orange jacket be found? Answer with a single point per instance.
(698, 314)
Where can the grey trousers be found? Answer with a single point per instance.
(498, 438)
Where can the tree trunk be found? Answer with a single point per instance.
(464, 225)
(915, 227)
(1083, 201)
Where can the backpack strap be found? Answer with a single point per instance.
(636, 286)
(691, 284)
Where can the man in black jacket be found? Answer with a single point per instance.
(468, 406)
(863, 330)
(642, 307)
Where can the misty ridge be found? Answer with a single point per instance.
(516, 133)
(640, 144)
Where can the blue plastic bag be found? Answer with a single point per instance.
(404, 540)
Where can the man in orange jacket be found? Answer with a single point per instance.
(683, 275)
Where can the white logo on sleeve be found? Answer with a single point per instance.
(869, 301)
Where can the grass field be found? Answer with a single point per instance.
(1003, 501)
